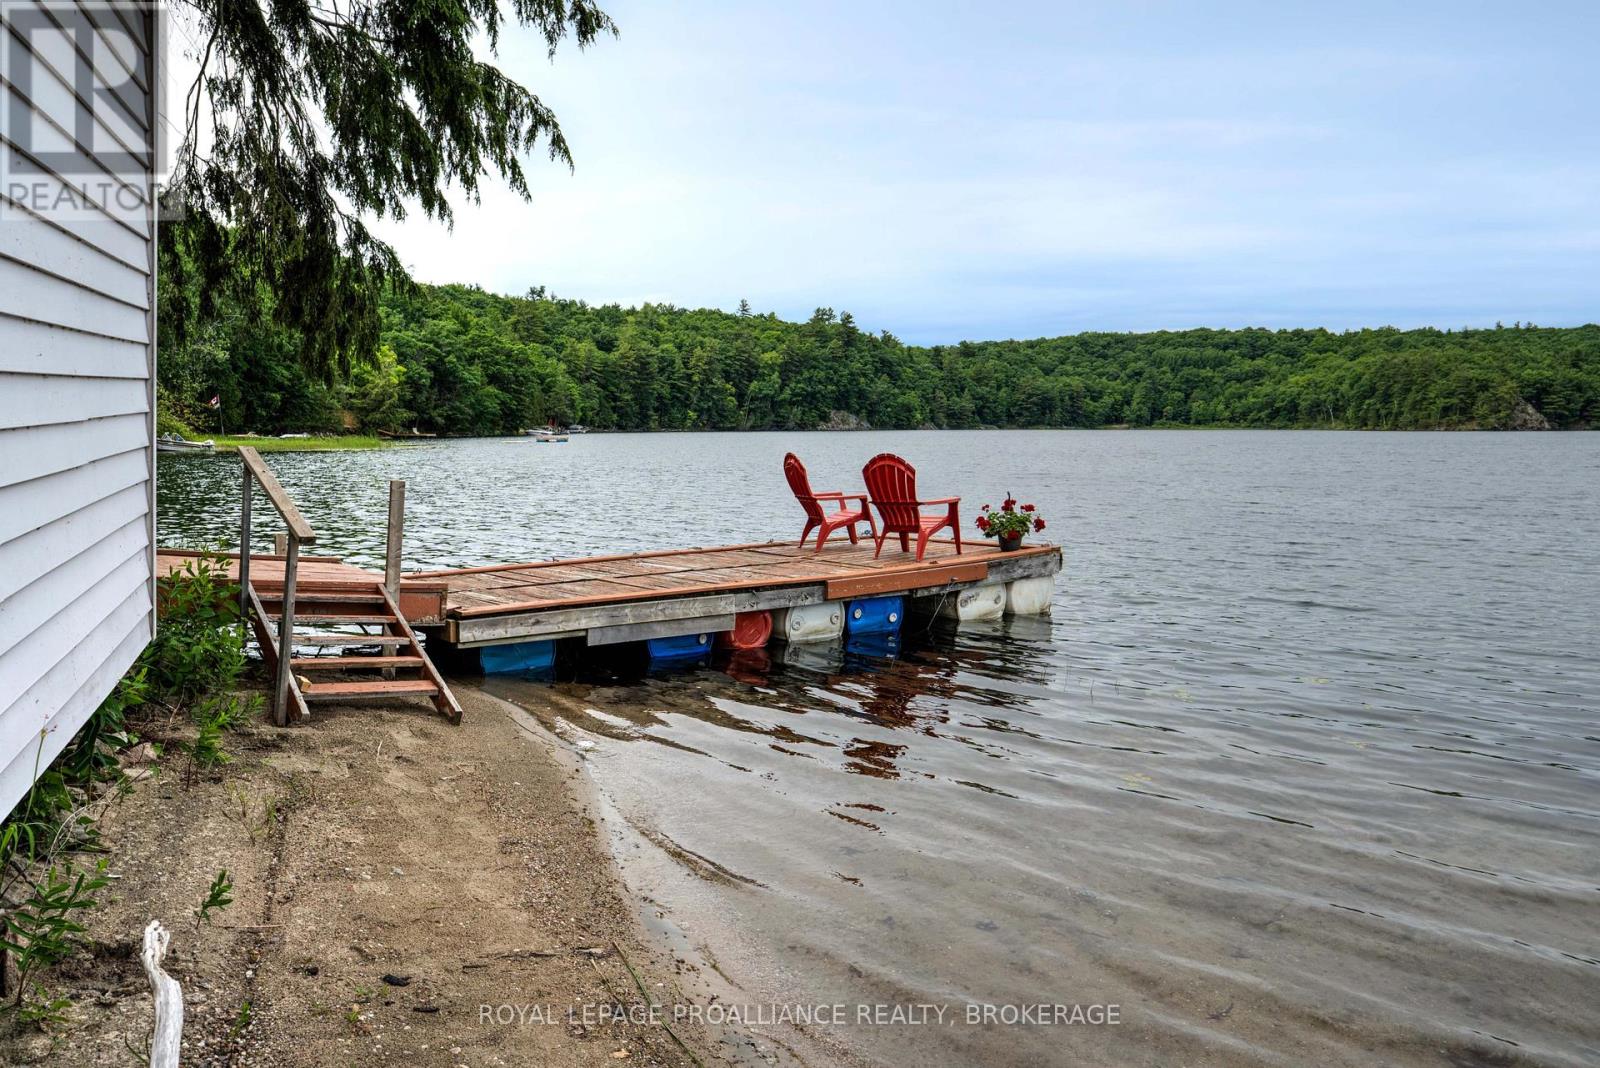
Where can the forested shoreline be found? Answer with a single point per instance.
(458, 360)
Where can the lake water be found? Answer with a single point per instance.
(1304, 769)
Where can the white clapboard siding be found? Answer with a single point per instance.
(60, 57)
(39, 400)
(27, 293)
(33, 660)
(90, 184)
(116, 235)
(37, 348)
(52, 92)
(62, 585)
(30, 452)
(51, 248)
(77, 360)
(25, 558)
(40, 502)
(74, 707)
(127, 37)
(105, 56)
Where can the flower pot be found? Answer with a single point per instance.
(1010, 542)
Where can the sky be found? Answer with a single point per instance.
(950, 171)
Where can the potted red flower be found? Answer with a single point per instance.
(1010, 523)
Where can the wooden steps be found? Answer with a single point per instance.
(339, 618)
(354, 663)
(343, 615)
(346, 691)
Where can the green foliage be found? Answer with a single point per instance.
(373, 392)
(469, 362)
(43, 1010)
(219, 896)
(91, 756)
(171, 415)
(206, 750)
(43, 928)
(306, 119)
(199, 643)
(41, 893)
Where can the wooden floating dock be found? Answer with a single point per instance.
(630, 597)
(606, 600)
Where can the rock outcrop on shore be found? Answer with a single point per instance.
(1525, 416)
(842, 420)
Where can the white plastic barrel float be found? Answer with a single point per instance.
(975, 602)
(809, 623)
(1030, 596)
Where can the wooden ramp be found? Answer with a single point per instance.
(611, 598)
(351, 641)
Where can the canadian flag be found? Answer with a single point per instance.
(216, 402)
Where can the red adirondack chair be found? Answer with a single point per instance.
(892, 484)
(819, 518)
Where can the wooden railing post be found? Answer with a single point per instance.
(300, 532)
(280, 545)
(280, 689)
(397, 524)
(392, 548)
(244, 548)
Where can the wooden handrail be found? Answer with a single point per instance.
(300, 533)
(292, 518)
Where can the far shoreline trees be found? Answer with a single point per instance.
(458, 360)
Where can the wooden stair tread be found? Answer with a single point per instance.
(324, 597)
(329, 691)
(354, 663)
(350, 639)
(323, 619)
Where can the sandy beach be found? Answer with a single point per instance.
(405, 892)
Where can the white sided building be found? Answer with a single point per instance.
(79, 151)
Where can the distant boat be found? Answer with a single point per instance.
(545, 434)
(174, 443)
(577, 428)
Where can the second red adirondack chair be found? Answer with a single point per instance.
(819, 518)
(892, 484)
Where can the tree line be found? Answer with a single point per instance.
(458, 360)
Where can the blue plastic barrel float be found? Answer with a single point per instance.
(680, 649)
(517, 658)
(874, 615)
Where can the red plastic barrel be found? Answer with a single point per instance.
(751, 630)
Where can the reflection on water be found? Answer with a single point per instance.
(1302, 771)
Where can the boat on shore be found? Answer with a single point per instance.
(407, 435)
(545, 434)
(175, 443)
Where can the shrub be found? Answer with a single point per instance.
(199, 644)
